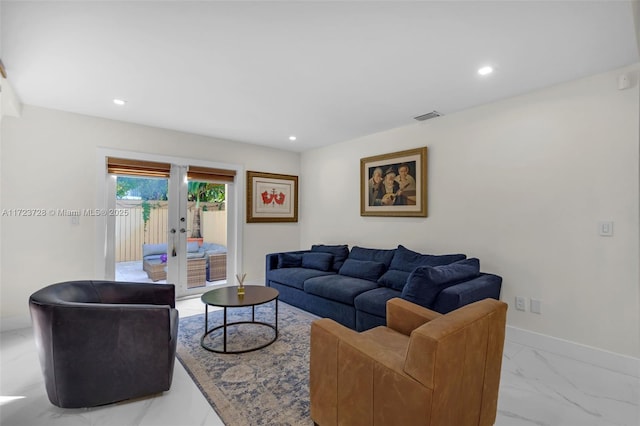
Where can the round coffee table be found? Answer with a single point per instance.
(227, 297)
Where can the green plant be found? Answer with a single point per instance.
(204, 192)
(146, 215)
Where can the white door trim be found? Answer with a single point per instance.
(105, 199)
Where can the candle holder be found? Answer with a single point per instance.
(241, 284)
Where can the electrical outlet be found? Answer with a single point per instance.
(521, 304)
(536, 306)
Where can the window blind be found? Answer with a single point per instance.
(207, 174)
(125, 166)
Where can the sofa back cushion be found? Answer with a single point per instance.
(154, 249)
(408, 260)
(289, 260)
(405, 261)
(375, 255)
(319, 261)
(426, 282)
(364, 269)
(339, 252)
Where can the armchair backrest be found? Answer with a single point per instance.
(459, 356)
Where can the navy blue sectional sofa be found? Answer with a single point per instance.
(353, 286)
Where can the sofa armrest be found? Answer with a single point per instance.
(272, 258)
(482, 287)
(323, 369)
(404, 316)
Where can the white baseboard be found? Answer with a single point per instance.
(599, 357)
(15, 322)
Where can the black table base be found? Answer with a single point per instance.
(228, 324)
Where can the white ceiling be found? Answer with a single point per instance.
(326, 72)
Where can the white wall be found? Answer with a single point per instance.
(521, 184)
(49, 161)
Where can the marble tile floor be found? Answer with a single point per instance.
(537, 388)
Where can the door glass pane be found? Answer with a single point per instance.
(206, 234)
(141, 229)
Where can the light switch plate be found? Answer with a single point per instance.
(605, 228)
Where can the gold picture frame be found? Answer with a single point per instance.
(394, 184)
(271, 197)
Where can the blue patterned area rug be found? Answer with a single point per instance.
(269, 386)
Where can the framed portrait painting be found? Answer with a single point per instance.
(271, 197)
(394, 184)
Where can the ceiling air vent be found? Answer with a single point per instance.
(428, 116)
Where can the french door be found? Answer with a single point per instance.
(183, 226)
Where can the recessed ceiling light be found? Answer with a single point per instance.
(292, 138)
(119, 102)
(485, 70)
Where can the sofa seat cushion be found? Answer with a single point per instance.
(426, 282)
(338, 287)
(405, 261)
(393, 344)
(374, 302)
(295, 277)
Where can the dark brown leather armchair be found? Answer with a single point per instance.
(103, 341)
(423, 368)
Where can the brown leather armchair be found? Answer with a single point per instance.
(423, 368)
(103, 341)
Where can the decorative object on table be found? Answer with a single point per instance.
(271, 197)
(259, 387)
(394, 184)
(241, 284)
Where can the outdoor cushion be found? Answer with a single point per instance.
(376, 255)
(319, 261)
(365, 269)
(153, 249)
(339, 252)
(212, 248)
(338, 287)
(193, 247)
(426, 282)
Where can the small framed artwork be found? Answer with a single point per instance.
(394, 184)
(271, 197)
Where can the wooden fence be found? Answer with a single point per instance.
(131, 233)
